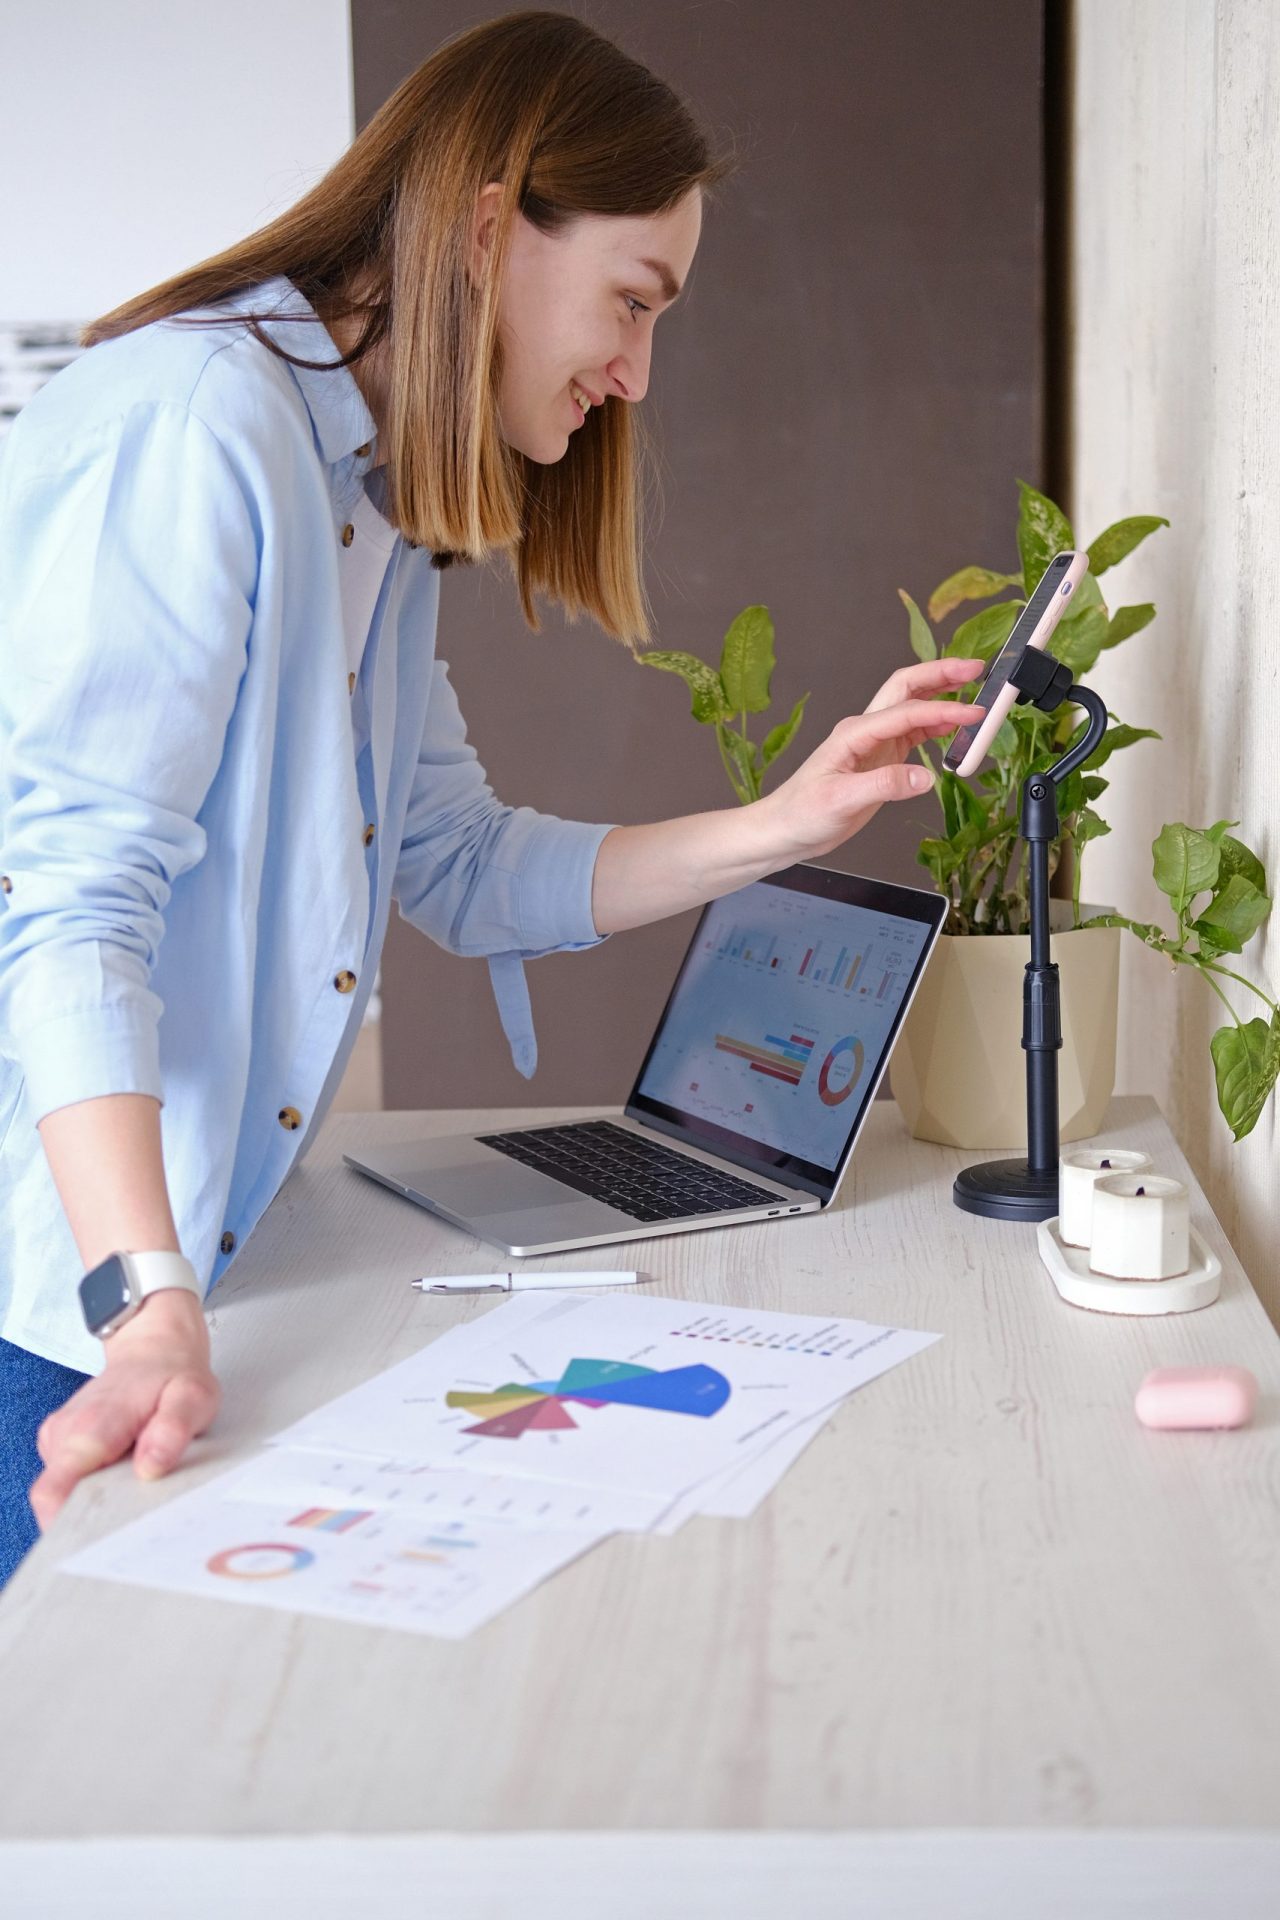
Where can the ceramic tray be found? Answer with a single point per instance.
(1069, 1267)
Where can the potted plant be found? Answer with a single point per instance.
(957, 1070)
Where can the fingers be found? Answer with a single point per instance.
(157, 1412)
(186, 1407)
(91, 1431)
(924, 677)
(908, 717)
(895, 782)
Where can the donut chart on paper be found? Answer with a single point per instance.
(540, 1405)
(841, 1071)
(259, 1560)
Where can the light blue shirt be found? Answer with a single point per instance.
(202, 828)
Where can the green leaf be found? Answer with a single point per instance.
(1237, 858)
(971, 583)
(1089, 826)
(739, 761)
(942, 860)
(703, 682)
(983, 634)
(1121, 539)
(961, 806)
(1116, 737)
(1126, 621)
(1078, 640)
(1233, 916)
(948, 790)
(1005, 743)
(778, 739)
(1094, 784)
(1035, 732)
(1246, 1063)
(1043, 530)
(746, 662)
(1070, 795)
(923, 644)
(1186, 863)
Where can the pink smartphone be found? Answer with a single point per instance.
(1034, 624)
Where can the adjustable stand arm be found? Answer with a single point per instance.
(1028, 1189)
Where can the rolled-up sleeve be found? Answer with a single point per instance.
(127, 580)
(481, 878)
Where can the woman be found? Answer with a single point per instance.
(228, 745)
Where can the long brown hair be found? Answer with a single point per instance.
(569, 124)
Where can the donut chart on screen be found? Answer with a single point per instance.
(259, 1560)
(841, 1071)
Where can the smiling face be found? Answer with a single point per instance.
(577, 311)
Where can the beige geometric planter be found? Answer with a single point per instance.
(958, 1071)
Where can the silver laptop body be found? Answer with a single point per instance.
(750, 1098)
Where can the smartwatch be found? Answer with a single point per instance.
(113, 1291)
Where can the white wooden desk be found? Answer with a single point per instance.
(986, 1608)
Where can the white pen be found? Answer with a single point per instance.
(518, 1282)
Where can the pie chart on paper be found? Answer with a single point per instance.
(539, 1406)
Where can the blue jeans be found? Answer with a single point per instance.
(30, 1390)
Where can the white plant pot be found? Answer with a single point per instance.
(958, 1071)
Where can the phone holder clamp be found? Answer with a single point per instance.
(1028, 1189)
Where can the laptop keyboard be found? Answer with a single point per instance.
(647, 1182)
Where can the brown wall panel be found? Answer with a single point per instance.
(843, 399)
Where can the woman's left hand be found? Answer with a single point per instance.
(861, 763)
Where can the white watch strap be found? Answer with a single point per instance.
(153, 1272)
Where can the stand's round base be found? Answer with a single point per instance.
(1007, 1190)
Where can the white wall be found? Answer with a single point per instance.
(140, 136)
(1176, 398)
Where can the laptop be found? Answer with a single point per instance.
(749, 1100)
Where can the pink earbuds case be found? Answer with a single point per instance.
(1197, 1397)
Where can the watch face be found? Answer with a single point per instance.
(104, 1293)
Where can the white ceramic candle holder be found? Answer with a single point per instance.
(1069, 1270)
(1141, 1227)
(1077, 1173)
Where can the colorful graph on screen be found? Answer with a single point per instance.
(539, 1406)
(841, 1071)
(782, 1057)
(781, 1018)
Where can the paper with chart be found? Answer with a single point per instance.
(313, 1549)
(436, 1494)
(415, 1486)
(643, 1395)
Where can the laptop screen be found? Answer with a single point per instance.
(782, 1017)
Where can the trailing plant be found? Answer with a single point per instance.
(1189, 863)
(741, 686)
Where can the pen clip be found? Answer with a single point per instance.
(452, 1286)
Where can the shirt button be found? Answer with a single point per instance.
(6, 883)
(365, 449)
(368, 834)
(290, 1119)
(351, 683)
(345, 982)
(348, 534)
(227, 1244)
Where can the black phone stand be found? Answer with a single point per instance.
(1028, 1189)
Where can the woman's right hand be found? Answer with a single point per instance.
(155, 1394)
